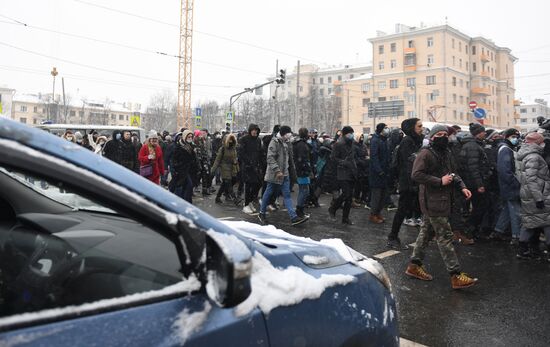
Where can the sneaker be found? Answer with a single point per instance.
(462, 280)
(299, 220)
(252, 207)
(514, 241)
(263, 219)
(347, 222)
(332, 214)
(410, 222)
(247, 210)
(367, 206)
(419, 272)
(391, 207)
(396, 244)
(271, 208)
(462, 238)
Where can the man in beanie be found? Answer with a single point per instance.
(435, 172)
(475, 170)
(379, 171)
(277, 176)
(509, 186)
(346, 173)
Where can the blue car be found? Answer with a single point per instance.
(93, 254)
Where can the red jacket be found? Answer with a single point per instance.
(158, 162)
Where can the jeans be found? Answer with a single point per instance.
(274, 189)
(303, 194)
(378, 199)
(510, 215)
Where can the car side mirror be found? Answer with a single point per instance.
(229, 267)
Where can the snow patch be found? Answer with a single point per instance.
(314, 260)
(26, 338)
(273, 287)
(187, 323)
(230, 244)
(185, 286)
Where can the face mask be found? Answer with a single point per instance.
(69, 138)
(118, 136)
(349, 137)
(287, 136)
(189, 140)
(309, 141)
(386, 132)
(514, 141)
(440, 142)
(452, 138)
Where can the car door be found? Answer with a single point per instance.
(155, 309)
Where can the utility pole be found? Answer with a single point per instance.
(184, 116)
(64, 100)
(297, 119)
(52, 115)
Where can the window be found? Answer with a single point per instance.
(459, 48)
(301, 90)
(365, 87)
(329, 79)
(381, 65)
(467, 66)
(23, 120)
(482, 50)
(411, 82)
(120, 117)
(365, 118)
(113, 117)
(461, 83)
(321, 92)
(411, 114)
(329, 91)
(466, 50)
(72, 113)
(35, 110)
(454, 81)
(81, 114)
(430, 59)
(506, 68)
(394, 84)
(454, 61)
(507, 99)
(411, 99)
(395, 97)
(393, 47)
(454, 98)
(474, 67)
(339, 77)
(522, 110)
(313, 81)
(467, 84)
(492, 57)
(473, 50)
(35, 121)
(381, 49)
(430, 80)
(454, 114)
(382, 85)
(410, 59)
(430, 41)
(410, 44)
(23, 108)
(533, 110)
(461, 99)
(351, 76)
(382, 98)
(523, 120)
(366, 102)
(460, 63)
(393, 63)
(430, 97)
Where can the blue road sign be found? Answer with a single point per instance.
(198, 112)
(480, 113)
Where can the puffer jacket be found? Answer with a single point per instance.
(343, 155)
(302, 158)
(473, 163)
(279, 159)
(251, 156)
(535, 186)
(226, 158)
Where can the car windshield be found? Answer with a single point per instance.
(57, 192)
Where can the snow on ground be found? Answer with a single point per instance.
(273, 287)
(188, 323)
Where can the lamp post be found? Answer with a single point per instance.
(53, 73)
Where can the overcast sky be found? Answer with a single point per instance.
(319, 31)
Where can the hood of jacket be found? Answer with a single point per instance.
(408, 126)
(253, 127)
(228, 138)
(529, 148)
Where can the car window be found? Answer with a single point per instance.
(54, 260)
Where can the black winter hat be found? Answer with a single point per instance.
(347, 130)
(380, 127)
(285, 129)
(510, 132)
(276, 129)
(476, 129)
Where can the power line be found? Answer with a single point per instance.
(197, 31)
(16, 22)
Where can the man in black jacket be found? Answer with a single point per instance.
(302, 163)
(343, 155)
(474, 170)
(408, 189)
(113, 147)
(252, 159)
(128, 154)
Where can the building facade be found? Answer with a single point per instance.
(6, 101)
(528, 113)
(433, 73)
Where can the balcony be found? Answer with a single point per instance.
(409, 50)
(485, 74)
(481, 90)
(410, 68)
(484, 57)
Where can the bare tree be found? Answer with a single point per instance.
(161, 112)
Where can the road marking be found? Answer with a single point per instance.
(408, 343)
(226, 218)
(386, 254)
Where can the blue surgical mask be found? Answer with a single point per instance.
(514, 141)
(349, 136)
(118, 136)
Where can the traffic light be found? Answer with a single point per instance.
(282, 76)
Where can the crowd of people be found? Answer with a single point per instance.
(457, 185)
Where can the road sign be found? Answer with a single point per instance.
(198, 122)
(380, 109)
(135, 120)
(480, 113)
(229, 116)
(473, 104)
(198, 112)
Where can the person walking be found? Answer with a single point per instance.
(434, 171)
(302, 161)
(182, 163)
(128, 154)
(226, 160)
(361, 189)
(150, 158)
(346, 173)
(408, 190)
(379, 172)
(535, 196)
(252, 157)
(279, 167)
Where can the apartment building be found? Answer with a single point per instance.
(528, 113)
(433, 73)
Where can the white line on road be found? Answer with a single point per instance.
(407, 343)
(386, 254)
(226, 218)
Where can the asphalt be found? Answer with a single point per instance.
(508, 307)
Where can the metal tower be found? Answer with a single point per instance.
(185, 64)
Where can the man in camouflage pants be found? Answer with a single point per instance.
(434, 171)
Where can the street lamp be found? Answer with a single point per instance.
(53, 73)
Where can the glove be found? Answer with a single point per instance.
(540, 205)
